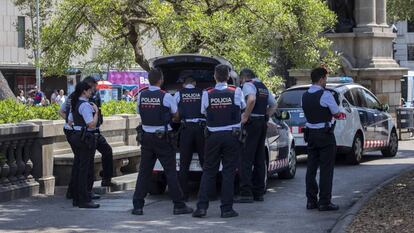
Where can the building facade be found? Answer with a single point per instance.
(17, 63)
(404, 44)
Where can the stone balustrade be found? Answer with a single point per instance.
(34, 155)
(17, 160)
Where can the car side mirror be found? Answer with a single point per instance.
(283, 115)
(385, 107)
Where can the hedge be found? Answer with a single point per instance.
(13, 112)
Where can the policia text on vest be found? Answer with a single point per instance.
(191, 131)
(157, 108)
(222, 106)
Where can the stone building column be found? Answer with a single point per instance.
(381, 13)
(365, 13)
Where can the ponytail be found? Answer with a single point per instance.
(79, 89)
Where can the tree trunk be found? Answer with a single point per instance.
(5, 91)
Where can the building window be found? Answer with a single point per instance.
(410, 26)
(21, 31)
(410, 52)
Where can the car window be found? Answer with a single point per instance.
(358, 97)
(291, 99)
(371, 101)
(348, 96)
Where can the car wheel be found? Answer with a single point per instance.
(290, 172)
(354, 158)
(392, 148)
(157, 187)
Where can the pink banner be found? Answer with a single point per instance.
(139, 78)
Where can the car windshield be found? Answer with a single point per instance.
(293, 98)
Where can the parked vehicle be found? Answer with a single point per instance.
(368, 125)
(281, 158)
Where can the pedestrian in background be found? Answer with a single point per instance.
(126, 97)
(157, 108)
(38, 95)
(320, 108)
(21, 98)
(61, 98)
(222, 106)
(260, 104)
(193, 122)
(53, 96)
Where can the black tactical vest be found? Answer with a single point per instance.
(77, 117)
(67, 109)
(189, 106)
(152, 110)
(313, 110)
(96, 99)
(222, 110)
(262, 95)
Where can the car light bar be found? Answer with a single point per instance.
(344, 79)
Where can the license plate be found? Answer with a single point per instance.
(299, 141)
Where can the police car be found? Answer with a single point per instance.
(281, 158)
(367, 127)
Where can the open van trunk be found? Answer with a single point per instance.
(177, 67)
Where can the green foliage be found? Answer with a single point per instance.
(13, 112)
(400, 10)
(246, 32)
(117, 107)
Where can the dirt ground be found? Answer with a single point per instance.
(390, 210)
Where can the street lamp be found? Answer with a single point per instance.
(37, 52)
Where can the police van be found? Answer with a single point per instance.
(367, 127)
(280, 159)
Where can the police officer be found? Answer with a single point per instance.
(102, 145)
(85, 120)
(260, 103)
(156, 108)
(222, 106)
(192, 128)
(320, 107)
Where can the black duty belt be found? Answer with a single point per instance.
(322, 130)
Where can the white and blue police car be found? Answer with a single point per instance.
(367, 127)
(280, 159)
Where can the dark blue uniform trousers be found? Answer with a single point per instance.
(82, 164)
(191, 140)
(154, 148)
(253, 160)
(220, 146)
(321, 153)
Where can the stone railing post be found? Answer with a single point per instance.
(4, 173)
(26, 158)
(42, 156)
(11, 161)
(19, 160)
(132, 121)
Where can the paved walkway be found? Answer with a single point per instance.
(283, 209)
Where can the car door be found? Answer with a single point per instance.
(278, 143)
(380, 123)
(366, 115)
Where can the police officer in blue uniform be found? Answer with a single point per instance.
(156, 108)
(260, 103)
(320, 108)
(222, 106)
(101, 144)
(83, 141)
(192, 128)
